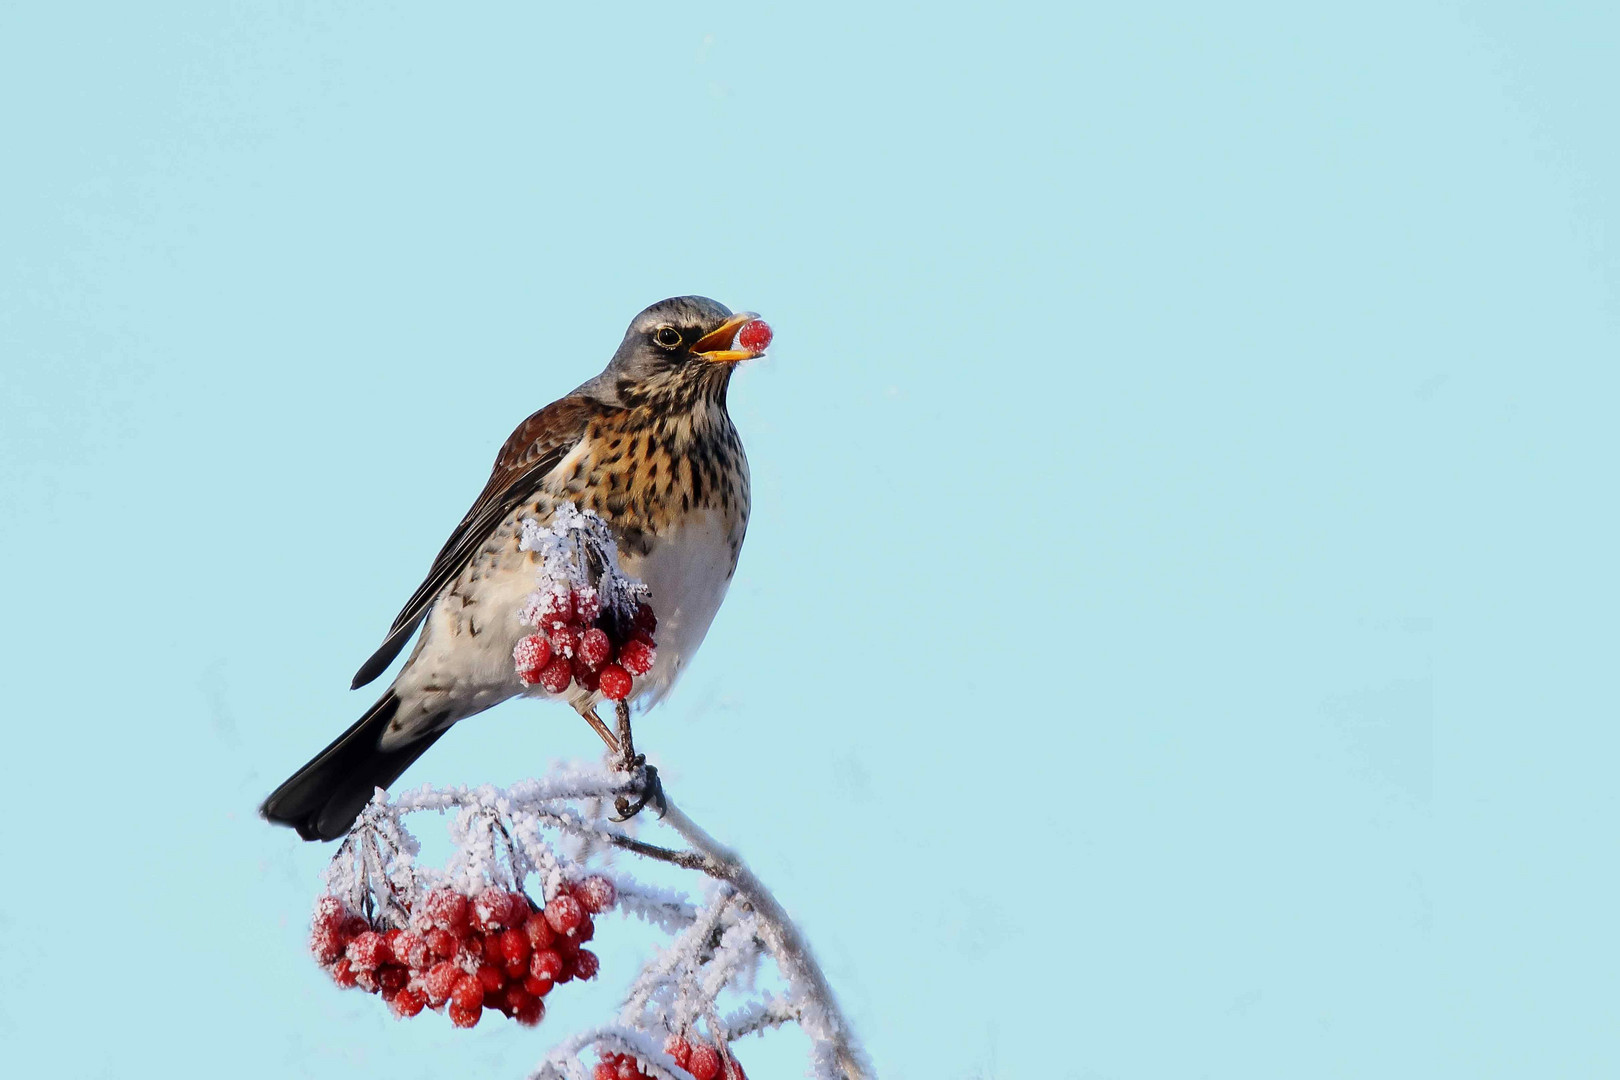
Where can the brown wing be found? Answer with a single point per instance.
(533, 450)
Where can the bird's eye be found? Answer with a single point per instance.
(667, 336)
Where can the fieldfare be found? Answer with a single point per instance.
(648, 446)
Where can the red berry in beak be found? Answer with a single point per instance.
(755, 336)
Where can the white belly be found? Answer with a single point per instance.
(688, 571)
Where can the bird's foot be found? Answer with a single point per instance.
(645, 786)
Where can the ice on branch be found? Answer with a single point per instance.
(505, 920)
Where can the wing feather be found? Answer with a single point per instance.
(531, 452)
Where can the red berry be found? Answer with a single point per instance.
(547, 964)
(411, 950)
(565, 914)
(408, 1002)
(515, 951)
(329, 914)
(367, 981)
(327, 945)
(596, 894)
(353, 926)
(587, 606)
(367, 951)
(531, 656)
(595, 647)
(441, 943)
(556, 609)
(518, 1002)
(441, 981)
(605, 1071)
(564, 641)
(491, 910)
(704, 1063)
(491, 978)
(343, 973)
(448, 911)
(755, 336)
(679, 1049)
(637, 656)
(615, 682)
(557, 675)
(587, 678)
(538, 931)
(644, 619)
(465, 1015)
(392, 978)
(537, 986)
(586, 964)
(469, 990)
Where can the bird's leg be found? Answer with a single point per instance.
(644, 776)
(588, 711)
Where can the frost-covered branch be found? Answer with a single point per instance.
(506, 919)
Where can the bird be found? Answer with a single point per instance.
(647, 444)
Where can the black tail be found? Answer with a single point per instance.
(322, 799)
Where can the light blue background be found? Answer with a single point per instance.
(1173, 634)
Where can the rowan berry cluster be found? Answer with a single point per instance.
(495, 950)
(582, 643)
(700, 1059)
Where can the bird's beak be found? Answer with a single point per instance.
(716, 345)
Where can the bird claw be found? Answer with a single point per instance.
(648, 788)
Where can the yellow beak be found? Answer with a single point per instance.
(716, 345)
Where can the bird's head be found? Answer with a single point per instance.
(686, 343)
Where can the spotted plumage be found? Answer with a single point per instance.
(648, 445)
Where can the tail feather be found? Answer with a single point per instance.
(322, 799)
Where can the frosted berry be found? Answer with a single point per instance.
(441, 943)
(538, 931)
(353, 926)
(392, 978)
(441, 981)
(755, 336)
(587, 607)
(465, 1014)
(586, 964)
(530, 657)
(491, 910)
(564, 641)
(366, 980)
(537, 986)
(557, 609)
(448, 911)
(327, 945)
(367, 951)
(408, 1002)
(565, 914)
(679, 1049)
(411, 950)
(637, 657)
(594, 647)
(704, 1064)
(615, 682)
(547, 964)
(329, 914)
(557, 675)
(343, 973)
(596, 894)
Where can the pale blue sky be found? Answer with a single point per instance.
(1169, 637)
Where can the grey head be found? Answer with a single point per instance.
(685, 342)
